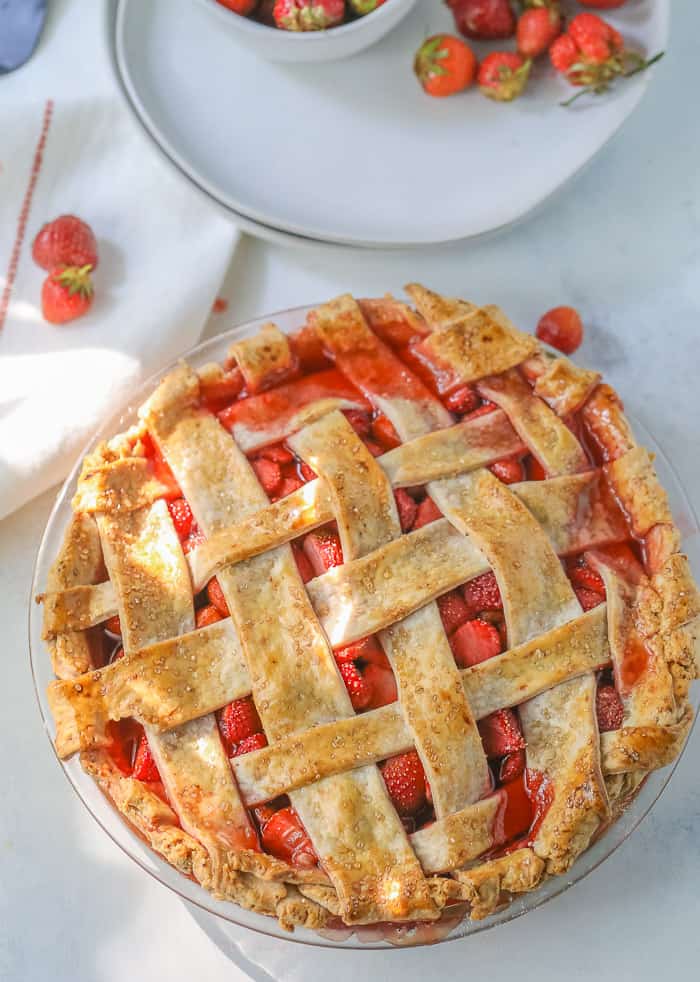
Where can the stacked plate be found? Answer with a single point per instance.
(352, 152)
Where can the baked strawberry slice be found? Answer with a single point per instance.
(277, 453)
(427, 512)
(482, 593)
(290, 482)
(238, 721)
(358, 688)
(474, 642)
(144, 765)
(463, 400)
(268, 473)
(285, 837)
(366, 649)
(609, 708)
(384, 433)
(587, 598)
(323, 550)
(207, 615)
(359, 421)
(181, 515)
(501, 734)
(581, 575)
(256, 741)
(512, 766)
(535, 470)
(113, 625)
(382, 686)
(216, 596)
(453, 610)
(306, 472)
(303, 565)
(407, 509)
(405, 781)
(509, 470)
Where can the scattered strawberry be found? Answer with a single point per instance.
(256, 741)
(482, 593)
(206, 616)
(581, 574)
(537, 28)
(562, 328)
(323, 550)
(591, 54)
(453, 610)
(427, 512)
(444, 65)
(238, 721)
(145, 768)
(463, 400)
(268, 473)
(358, 689)
(483, 19)
(503, 75)
(66, 241)
(474, 642)
(308, 15)
(501, 733)
(609, 708)
(587, 598)
(182, 516)
(382, 685)
(285, 837)
(512, 766)
(509, 471)
(407, 509)
(303, 565)
(113, 625)
(66, 294)
(405, 781)
(216, 596)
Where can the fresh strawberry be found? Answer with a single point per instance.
(407, 509)
(512, 766)
(535, 470)
(587, 598)
(537, 28)
(358, 689)
(562, 328)
(67, 293)
(268, 473)
(503, 75)
(384, 433)
(308, 15)
(581, 575)
(609, 708)
(242, 7)
(509, 470)
(463, 400)
(405, 781)
(277, 453)
(285, 837)
(144, 765)
(483, 19)
(323, 550)
(181, 515)
(501, 733)
(474, 642)
(113, 625)
(444, 65)
(206, 616)
(382, 686)
(427, 512)
(238, 721)
(482, 593)
(453, 610)
(256, 741)
(595, 38)
(359, 421)
(216, 596)
(66, 241)
(303, 565)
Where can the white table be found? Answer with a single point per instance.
(623, 245)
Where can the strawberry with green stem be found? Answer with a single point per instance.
(444, 64)
(67, 293)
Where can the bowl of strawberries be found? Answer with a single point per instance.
(308, 30)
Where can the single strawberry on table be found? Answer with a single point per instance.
(66, 241)
(483, 19)
(503, 75)
(562, 328)
(66, 294)
(308, 15)
(444, 65)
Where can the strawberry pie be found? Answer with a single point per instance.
(374, 619)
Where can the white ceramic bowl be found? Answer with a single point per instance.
(307, 46)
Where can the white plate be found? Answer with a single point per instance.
(353, 152)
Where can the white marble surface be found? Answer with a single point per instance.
(622, 244)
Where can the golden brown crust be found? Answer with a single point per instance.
(489, 884)
(563, 385)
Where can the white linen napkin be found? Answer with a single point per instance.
(69, 145)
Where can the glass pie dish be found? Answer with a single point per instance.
(454, 924)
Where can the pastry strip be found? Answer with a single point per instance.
(265, 358)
